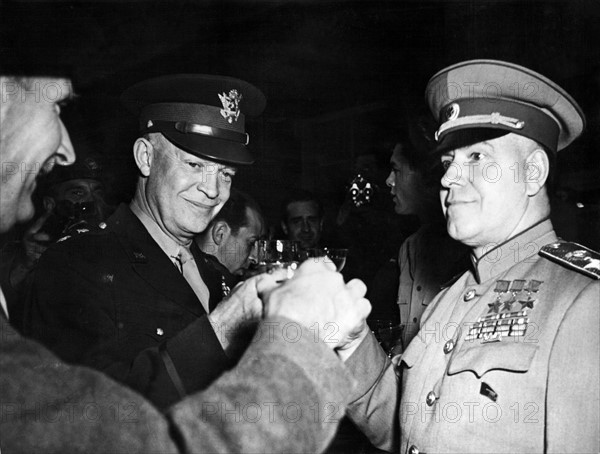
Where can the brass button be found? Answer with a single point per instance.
(159, 331)
(469, 295)
(413, 450)
(449, 346)
(431, 398)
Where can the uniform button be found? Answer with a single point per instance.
(418, 288)
(431, 398)
(449, 346)
(102, 225)
(159, 331)
(469, 295)
(413, 450)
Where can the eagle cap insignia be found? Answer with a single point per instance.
(231, 105)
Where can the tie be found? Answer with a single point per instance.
(184, 261)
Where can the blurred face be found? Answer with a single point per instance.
(239, 250)
(303, 223)
(33, 140)
(482, 198)
(404, 183)
(80, 191)
(185, 192)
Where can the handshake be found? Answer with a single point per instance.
(316, 295)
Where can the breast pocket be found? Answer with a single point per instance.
(483, 358)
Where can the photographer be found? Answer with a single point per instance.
(72, 200)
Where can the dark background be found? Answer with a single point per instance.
(341, 78)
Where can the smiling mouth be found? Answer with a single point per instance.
(200, 205)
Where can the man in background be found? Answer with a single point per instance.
(302, 219)
(72, 202)
(229, 242)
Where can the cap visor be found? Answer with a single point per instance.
(218, 150)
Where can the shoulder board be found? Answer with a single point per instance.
(573, 256)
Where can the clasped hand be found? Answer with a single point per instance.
(315, 296)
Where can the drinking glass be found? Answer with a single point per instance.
(336, 256)
(388, 334)
(277, 254)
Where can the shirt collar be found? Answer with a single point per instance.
(164, 241)
(514, 250)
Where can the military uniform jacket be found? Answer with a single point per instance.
(428, 259)
(282, 397)
(507, 360)
(115, 302)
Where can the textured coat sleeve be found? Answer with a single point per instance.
(286, 395)
(573, 378)
(374, 405)
(72, 310)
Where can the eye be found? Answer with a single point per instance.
(227, 174)
(194, 165)
(476, 156)
(446, 164)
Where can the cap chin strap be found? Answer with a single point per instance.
(187, 127)
(494, 118)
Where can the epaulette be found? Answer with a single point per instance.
(574, 256)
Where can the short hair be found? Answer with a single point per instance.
(234, 211)
(301, 196)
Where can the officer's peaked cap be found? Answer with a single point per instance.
(201, 114)
(479, 100)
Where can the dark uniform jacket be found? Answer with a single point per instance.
(282, 397)
(114, 301)
(507, 360)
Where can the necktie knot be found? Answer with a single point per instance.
(182, 257)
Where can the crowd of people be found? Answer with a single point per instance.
(142, 328)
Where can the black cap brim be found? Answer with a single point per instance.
(209, 147)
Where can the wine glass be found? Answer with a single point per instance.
(388, 334)
(277, 254)
(336, 256)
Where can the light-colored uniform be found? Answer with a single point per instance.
(428, 259)
(507, 360)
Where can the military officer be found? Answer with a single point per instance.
(507, 357)
(131, 300)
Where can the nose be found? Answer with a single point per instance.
(389, 181)
(253, 256)
(209, 182)
(305, 225)
(65, 153)
(453, 175)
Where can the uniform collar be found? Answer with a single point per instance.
(164, 241)
(514, 250)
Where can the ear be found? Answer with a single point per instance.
(143, 153)
(537, 168)
(284, 227)
(49, 203)
(219, 232)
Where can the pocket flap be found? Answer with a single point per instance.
(482, 358)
